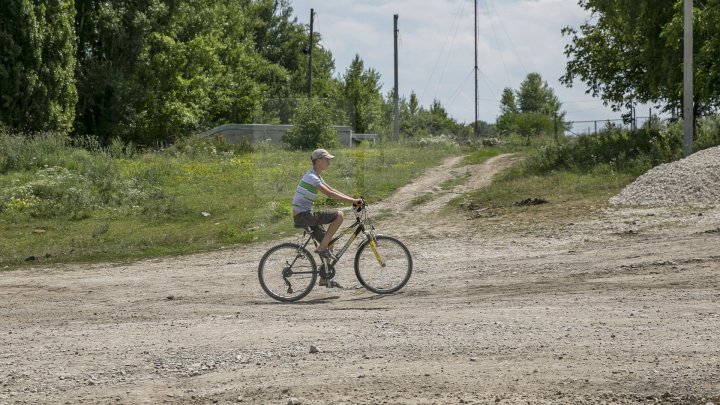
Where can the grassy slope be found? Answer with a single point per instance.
(247, 198)
(570, 195)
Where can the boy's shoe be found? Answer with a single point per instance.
(324, 282)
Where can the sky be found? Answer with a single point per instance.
(436, 49)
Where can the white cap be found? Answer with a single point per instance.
(321, 153)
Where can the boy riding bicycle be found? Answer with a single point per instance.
(305, 196)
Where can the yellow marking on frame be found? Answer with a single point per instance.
(373, 246)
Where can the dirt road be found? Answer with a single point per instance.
(621, 307)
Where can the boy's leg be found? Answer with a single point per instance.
(332, 229)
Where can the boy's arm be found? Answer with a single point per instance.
(336, 195)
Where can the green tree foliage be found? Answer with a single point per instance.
(154, 70)
(418, 122)
(362, 89)
(282, 41)
(413, 105)
(37, 63)
(536, 96)
(312, 126)
(508, 105)
(149, 71)
(532, 109)
(485, 129)
(631, 52)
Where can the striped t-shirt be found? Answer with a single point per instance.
(306, 192)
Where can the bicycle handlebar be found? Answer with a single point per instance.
(358, 208)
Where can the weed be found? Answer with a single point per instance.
(454, 182)
(422, 199)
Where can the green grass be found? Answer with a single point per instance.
(570, 194)
(480, 156)
(422, 199)
(100, 207)
(454, 182)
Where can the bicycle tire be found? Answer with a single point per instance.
(274, 272)
(383, 279)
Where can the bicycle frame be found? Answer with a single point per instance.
(360, 228)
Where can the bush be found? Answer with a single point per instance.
(206, 148)
(20, 152)
(312, 127)
(635, 151)
(708, 133)
(434, 141)
(56, 192)
(90, 182)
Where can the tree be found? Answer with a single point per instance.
(536, 96)
(37, 63)
(485, 129)
(282, 41)
(418, 122)
(362, 90)
(312, 126)
(153, 70)
(631, 52)
(413, 104)
(111, 37)
(532, 109)
(508, 105)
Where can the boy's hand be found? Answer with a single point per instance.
(358, 202)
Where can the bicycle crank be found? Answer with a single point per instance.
(326, 272)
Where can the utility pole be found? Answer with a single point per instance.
(688, 113)
(396, 121)
(476, 73)
(310, 52)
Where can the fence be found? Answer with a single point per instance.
(593, 126)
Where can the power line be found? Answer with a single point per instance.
(459, 88)
(512, 44)
(497, 41)
(442, 50)
(447, 60)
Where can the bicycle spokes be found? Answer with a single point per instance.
(287, 272)
(383, 264)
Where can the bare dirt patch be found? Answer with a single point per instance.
(621, 307)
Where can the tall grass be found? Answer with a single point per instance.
(65, 200)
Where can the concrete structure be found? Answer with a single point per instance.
(254, 133)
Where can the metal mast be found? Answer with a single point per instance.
(310, 52)
(396, 121)
(688, 111)
(476, 73)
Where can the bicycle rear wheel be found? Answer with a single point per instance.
(287, 272)
(385, 268)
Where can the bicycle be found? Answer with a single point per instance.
(383, 265)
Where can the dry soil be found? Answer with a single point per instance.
(621, 306)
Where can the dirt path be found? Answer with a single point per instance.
(430, 185)
(621, 307)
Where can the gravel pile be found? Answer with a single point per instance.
(694, 180)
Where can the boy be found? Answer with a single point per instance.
(305, 197)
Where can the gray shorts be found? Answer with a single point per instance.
(314, 219)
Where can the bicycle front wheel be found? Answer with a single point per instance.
(383, 265)
(287, 272)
